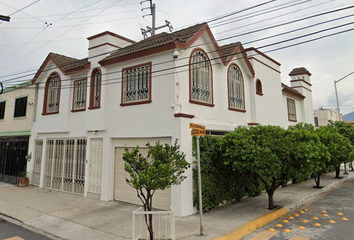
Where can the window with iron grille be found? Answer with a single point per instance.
(291, 110)
(201, 80)
(136, 84)
(236, 89)
(95, 89)
(52, 95)
(20, 107)
(79, 99)
(2, 110)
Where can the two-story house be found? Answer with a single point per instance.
(129, 93)
(16, 118)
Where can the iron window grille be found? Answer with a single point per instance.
(80, 95)
(96, 89)
(20, 107)
(136, 84)
(53, 91)
(201, 89)
(236, 88)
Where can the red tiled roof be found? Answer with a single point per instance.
(155, 41)
(69, 63)
(299, 71)
(228, 49)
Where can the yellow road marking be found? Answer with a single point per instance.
(265, 235)
(299, 238)
(14, 238)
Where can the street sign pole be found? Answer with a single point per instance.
(200, 188)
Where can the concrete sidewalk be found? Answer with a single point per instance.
(66, 216)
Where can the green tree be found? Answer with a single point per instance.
(309, 155)
(163, 167)
(338, 146)
(346, 130)
(261, 151)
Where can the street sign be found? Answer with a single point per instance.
(196, 132)
(4, 18)
(197, 126)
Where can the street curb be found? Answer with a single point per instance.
(257, 223)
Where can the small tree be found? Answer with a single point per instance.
(261, 151)
(163, 167)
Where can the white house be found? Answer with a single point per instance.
(129, 93)
(16, 118)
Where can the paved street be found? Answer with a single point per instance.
(9, 231)
(328, 217)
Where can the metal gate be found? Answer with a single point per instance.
(13, 161)
(65, 165)
(95, 172)
(37, 158)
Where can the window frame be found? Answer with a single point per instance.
(194, 101)
(46, 92)
(93, 87)
(259, 87)
(228, 90)
(292, 101)
(19, 109)
(138, 102)
(75, 95)
(4, 110)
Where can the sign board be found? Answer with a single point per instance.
(196, 132)
(197, 126)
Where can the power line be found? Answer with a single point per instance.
(22, 9)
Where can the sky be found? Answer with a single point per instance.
(38, 27)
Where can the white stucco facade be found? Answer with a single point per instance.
(169, 112)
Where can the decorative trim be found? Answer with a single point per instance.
(264, 64)
(263, 54)
(79, 110)
(45, 101)
(110, 44)
(15, 133)
(184, 115)
(236, 110)
(112, 34)
(301, 80)
(241, 50)
(298, 95)
(202, 103)
(302, 87)
(253, 124)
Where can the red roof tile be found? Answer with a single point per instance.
(299, 71)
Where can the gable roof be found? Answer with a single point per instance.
(292, 91)
(66, 64)
(181, 39)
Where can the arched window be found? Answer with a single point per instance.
(259, 89)
(52, 94)
(236, 89)
(201, 86)
(95, 89)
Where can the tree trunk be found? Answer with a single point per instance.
(317, 178)
(148, 218)
(337, 171)
(270, 199)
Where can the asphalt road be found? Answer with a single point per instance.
(330, 216)
(11, 231)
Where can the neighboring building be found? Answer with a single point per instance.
(129, 93)
(323, 115)
(16, 117)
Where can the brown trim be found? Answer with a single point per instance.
(287, 104)
(80, 109)
(45, 99)
(259, 87)
(298, 95)
(263, 54)
(190, 80)
(92, 88)
(110, 44)
(264, 64)
(253, 124)
(112, 34)
(301, 80)
(184, 115)
(240, 49)
(78, 69)
(150, 84)
(302, 87)
(228, 89)
(144, 53)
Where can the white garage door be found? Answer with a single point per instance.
(123, 191)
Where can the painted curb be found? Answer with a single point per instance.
(257, 223)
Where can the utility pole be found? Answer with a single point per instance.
(153, 27)
(5, 18)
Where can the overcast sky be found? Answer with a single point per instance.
(62, 26)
